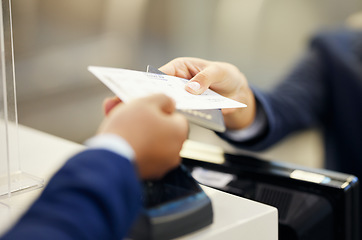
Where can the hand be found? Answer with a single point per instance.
(152, 127)
(223, 78)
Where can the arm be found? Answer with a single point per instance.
(223, 78)
(297, 102)
(96, 194)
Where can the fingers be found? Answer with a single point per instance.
(203, 74)
(152, 128)
(190, 68)
(176, 68)
(221, 77)
(110, 103)
(181, 125)
(184, 67)
(203, 80)
(168, 69)
(166, 104)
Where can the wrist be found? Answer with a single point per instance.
(241, 117)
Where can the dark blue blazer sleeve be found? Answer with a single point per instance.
(95, 195)
(323, 90)
(296, 103)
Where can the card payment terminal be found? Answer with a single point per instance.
(173, 206)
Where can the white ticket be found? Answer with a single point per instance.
(130, 84)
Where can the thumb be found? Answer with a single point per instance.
(202, 80)
(110, 103)
(166, 103)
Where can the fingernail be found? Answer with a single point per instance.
(194, 86)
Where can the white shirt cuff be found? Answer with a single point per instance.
(113, 143)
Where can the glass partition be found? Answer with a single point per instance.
(12, 178)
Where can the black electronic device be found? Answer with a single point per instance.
(173, 206)
(312, 204)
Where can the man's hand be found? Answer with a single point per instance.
(153, 129)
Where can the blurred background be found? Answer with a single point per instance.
(55, 41)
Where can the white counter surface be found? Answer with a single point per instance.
(42, 154)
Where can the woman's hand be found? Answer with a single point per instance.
(221, 77)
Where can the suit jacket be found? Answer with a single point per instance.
(95, 195)
(324, 89)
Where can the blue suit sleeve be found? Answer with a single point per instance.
(296, 103)
(95, 195)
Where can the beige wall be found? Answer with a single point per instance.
(55, 41)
